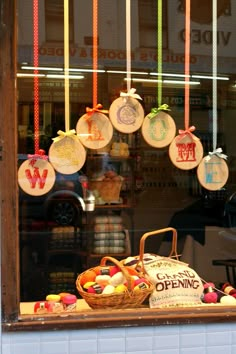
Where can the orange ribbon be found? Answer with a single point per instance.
(188, 131)
(97, 108)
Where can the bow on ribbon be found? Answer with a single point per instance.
(97, 108)
(70, 133)
(130, 93)
(217, 152)
(40, 155)
(183, 133)
(155, 111)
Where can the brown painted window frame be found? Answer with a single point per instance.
(11, 319)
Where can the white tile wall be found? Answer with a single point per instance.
(169, 339)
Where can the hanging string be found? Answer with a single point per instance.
(128, 45)
(187, 64)
(36, 78)
(95, 52)
(159, 52)
(66, 65)
(214, 74)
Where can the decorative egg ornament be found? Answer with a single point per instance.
(67, 154)
(126, 113)
(36, 176)
(186, 151)
(158, 129)
(212, 172)
(95, 130)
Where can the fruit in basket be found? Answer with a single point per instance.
(95, 289)
(117, 279)
(102, 279)
(142, 285)
(88, 285)
(120, 288)
(109, 289)
(89, 275)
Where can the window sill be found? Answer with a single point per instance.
(123, 318)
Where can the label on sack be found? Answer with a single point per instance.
(175, 284)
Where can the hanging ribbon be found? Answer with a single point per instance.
(66, 65)
(128, 45)
(95, 52)
(187, 64)
(97, 108)
(39, 155)
(216, 152)
(159, 51)
(69, 133)
(130, 93)
(36, 78)
(155, 111)
(183, 133)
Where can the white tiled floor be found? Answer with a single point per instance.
(170, 339)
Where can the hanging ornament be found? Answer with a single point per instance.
(158, 127)
(126, 112)
(36, 175)
(212, 171)
(186, 149)
(94, 128)
(67, 154)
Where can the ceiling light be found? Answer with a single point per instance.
(40, 68)
(29, 75)
(127, 72)
(210, 77)
(55, 76)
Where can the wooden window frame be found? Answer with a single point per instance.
(11, 320)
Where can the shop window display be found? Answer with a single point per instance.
(151, 184)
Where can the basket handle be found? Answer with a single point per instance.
(122, 268)
(173, 252)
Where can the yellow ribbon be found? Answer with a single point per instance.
(70, 133)
(155, 111)
(130, 93)
(97, 108)
(183, 133)
(217, 152)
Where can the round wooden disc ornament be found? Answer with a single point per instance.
(186, 151)
(212, 172)
(67, 154)
(158, 130)
(36, 176)
(126, 114)
(95, 130)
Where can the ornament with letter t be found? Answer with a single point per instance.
(186, 150)
(212, 172)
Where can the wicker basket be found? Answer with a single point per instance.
(108, 190)
(128, 299)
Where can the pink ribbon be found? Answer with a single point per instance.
(183, 133)
(40, 155)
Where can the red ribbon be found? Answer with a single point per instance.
(183, 133)
(40, 155)
(97, 108)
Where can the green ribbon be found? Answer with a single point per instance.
(155, 111)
